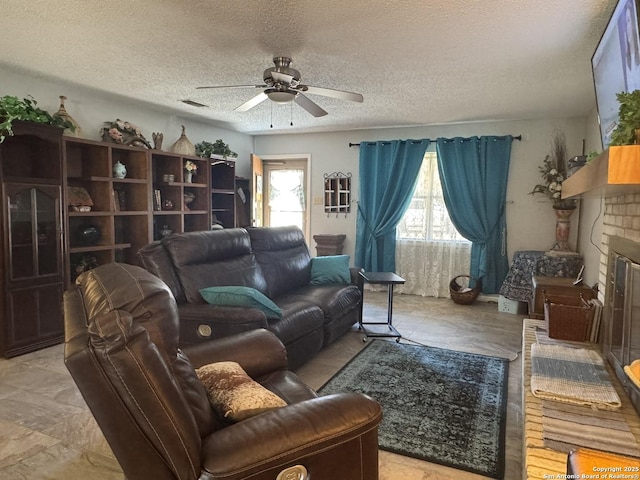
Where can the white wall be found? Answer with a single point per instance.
(591, 211)
(90, 109)
(530, 219)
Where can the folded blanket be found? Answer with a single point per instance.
(571, 375)
(633, 372)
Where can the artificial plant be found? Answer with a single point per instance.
(205, 149)
(627, 131)
(12, 108)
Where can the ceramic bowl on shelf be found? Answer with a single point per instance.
(81, 208)
(88, 234)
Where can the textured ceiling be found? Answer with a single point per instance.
(415, 62)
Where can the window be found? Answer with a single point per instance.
(429, 251)
(427, 218)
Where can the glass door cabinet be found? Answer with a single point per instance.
(33, 278)
(34, 232)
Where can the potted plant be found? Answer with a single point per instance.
(206, 149)
(627, 131)
(12, 108)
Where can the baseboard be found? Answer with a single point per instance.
(488, 297)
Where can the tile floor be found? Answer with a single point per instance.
(46, 430)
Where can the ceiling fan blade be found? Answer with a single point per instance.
(330, 92)
(310, 106)
(232, 86)
(261, 97)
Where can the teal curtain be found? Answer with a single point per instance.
(388, 174)
(474, 172)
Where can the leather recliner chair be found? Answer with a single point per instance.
(121, 328)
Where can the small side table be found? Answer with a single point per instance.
(382, 278)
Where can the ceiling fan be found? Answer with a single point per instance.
(282, 85)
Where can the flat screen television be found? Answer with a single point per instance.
(616, 64)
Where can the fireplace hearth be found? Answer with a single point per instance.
(622, 307)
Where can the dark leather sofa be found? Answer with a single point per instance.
(275, 261)
(121, 348)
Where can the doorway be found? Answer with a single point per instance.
(285, 187)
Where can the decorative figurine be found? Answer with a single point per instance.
(119, 170)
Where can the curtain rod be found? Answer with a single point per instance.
(518, 137)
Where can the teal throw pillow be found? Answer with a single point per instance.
(330, 270)
(237, 296)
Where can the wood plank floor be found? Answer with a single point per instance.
(46, 430)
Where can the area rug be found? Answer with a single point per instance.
(438, 405)
(571, 375)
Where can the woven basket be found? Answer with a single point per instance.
(461, 294)
(568, 318)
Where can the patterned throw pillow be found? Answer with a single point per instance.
(233, 394)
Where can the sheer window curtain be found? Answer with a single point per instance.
(429, 250)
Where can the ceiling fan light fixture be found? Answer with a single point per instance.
(280, 97)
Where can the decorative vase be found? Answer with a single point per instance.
(88, 234)
(62, 113)
(183, 145)
(562, 229)
(119, 170)
(189, 197)
(188, 177)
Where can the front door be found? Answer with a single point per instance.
(257, 185)
(283, 193)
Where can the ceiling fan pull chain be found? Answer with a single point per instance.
(291, 110)
(272, 115)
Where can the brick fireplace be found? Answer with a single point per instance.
(620, 276)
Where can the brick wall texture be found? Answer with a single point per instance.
(622, 219)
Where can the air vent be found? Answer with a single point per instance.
(193, 104)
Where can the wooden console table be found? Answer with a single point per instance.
(540, 462)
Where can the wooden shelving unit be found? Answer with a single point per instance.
(121, 206)
(188, 207)
(48, 242)
(223, 191)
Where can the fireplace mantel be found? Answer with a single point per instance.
(616, 171)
